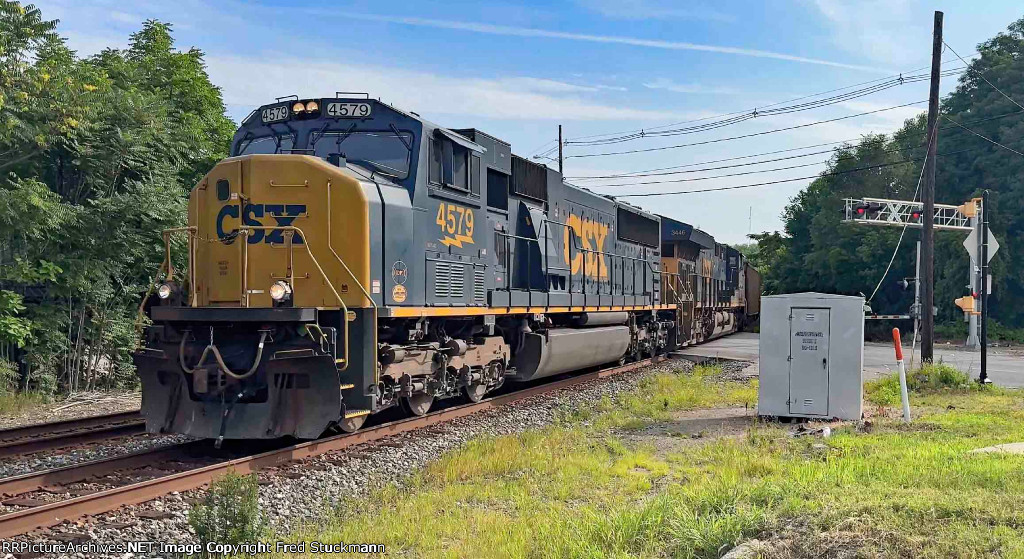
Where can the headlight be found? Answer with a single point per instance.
(298, 107)
(312, 106)
(164, 291)
(280, 291)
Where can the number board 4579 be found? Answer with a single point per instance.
(348, 110)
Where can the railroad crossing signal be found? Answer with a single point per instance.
(881, 211)
(968, 304)
(867, 210)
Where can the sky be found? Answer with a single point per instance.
(517, 70)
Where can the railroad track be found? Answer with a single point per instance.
(182, 467)
(59, 434)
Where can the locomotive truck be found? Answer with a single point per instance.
(350, 256)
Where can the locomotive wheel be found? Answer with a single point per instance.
(352, 424)
(474, 392)
(417, 404)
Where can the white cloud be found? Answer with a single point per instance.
(250, 82)
(883, 30)
(124, 17)
(669, 85)
(612, 39)
(648, 9)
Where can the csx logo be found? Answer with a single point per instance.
(282, 214)
(582, 239)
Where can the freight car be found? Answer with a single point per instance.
(350, 257)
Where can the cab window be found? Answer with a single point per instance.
(267, 144)
(383, 151)
(453, 166)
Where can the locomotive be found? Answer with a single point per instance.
(349, 257)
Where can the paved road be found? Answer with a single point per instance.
(1005, 367)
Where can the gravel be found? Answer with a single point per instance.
(59, 458)
(301, 493)
(79, 405)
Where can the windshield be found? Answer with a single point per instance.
(282, 143)
(386, 151)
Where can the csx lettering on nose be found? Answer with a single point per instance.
(255, 215)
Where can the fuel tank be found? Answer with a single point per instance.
(568, 349)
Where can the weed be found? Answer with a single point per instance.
(14, 403)
(885, 391)
(230, 512)
(584, 490)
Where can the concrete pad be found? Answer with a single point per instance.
(1008, 448)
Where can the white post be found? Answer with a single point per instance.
(903, 374)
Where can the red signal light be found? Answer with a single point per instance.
(915, 215)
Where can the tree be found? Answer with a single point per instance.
(96, 156)
(818, 252)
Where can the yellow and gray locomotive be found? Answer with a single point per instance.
(349, 257)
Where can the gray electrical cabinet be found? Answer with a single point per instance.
(811, 356)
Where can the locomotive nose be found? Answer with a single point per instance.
(290, 223)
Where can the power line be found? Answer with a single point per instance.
(640, 173)
(654, 171)
(727, 175)
(715, 141)
(657, 131)
(982, 137)
(931, 138)
(982, 76)
(657, 128)
(782, 181)
(756, 113)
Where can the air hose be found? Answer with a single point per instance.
(220, 360)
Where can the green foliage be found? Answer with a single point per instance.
(885, 391)
(881, 489)
(8, 376)
(96, 156)
(12, 328)
(818, 252)
(230, 512)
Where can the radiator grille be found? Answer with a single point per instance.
(479, 286)
(449, 280)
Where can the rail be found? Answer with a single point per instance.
(105, 500)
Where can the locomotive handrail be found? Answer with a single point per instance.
(366, 294)
(574, 245)
(621, 257)
(244, 231)
(169, 267)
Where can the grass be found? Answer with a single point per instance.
(885, 391)
(596, 485)
(14, 403)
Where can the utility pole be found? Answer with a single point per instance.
(928, 198)
(559, 149)
(916, 312)
(983, 377)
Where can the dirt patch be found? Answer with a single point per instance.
(690, 427)
(853, 538)
(82, 404)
